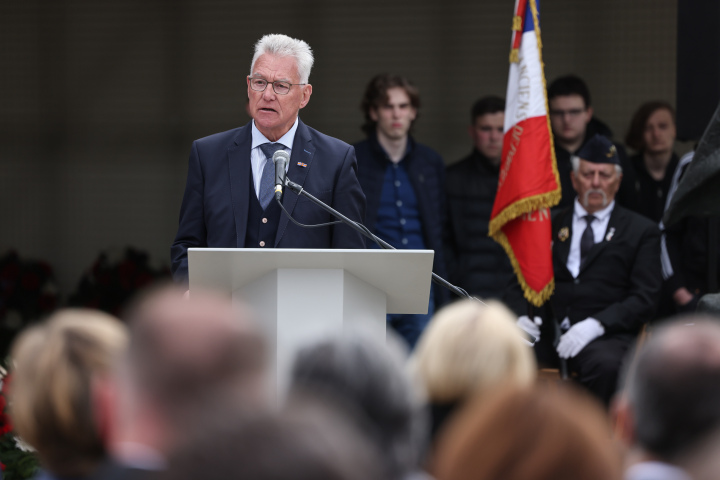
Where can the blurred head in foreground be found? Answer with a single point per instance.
(536, 433)
(272, 447)
(55, 363)
(188, 358)
(364, 378)
(669, 407)
(468, 350)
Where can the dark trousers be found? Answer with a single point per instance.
(597, 367)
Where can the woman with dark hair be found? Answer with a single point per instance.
(652, 136)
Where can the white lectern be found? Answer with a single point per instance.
(299, 294)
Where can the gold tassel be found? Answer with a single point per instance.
(517, 23)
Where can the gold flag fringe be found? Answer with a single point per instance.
(534, 297)
(526, 205)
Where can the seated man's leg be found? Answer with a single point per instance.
(545, 354)
(598, 365)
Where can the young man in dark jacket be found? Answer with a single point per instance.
(403, 182)
(475, 261)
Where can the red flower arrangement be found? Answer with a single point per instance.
(5, 424)
(19, 461)
(114, 277)
(28, 292)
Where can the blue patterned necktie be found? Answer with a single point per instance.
(267, 179)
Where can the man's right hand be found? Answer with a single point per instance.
(530, 326)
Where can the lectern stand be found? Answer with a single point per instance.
(300, 294)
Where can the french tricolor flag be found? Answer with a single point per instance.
(529, 183)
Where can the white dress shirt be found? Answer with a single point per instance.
(655, 471)
(599, 226)
(140, 456)
(257, 157)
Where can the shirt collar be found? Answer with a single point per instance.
(287, 139)
(485, 162)
(138, 455)
(376, 145)
(656, 470)
(600, 215)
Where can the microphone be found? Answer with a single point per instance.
(281, 158)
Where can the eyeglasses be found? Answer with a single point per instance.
(574, 112)
(281, 88)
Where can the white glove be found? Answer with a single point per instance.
(579, 335)
(530, 326)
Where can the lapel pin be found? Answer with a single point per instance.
(301, 164)
(610, 234)
(563, 234)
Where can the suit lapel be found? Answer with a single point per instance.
(303, 151)
(562, 238)
(240, 177)
(615, 219)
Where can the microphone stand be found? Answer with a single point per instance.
(362, 229)
(359, 227)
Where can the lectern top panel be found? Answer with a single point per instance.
(404, 275)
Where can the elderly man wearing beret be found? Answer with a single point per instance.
(607, 275)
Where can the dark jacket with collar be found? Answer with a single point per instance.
(475, 261)
(619, 281)
(651, 195)
(215, 205)
(426, 170)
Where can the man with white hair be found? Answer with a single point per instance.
(228, 200)
(606, 261)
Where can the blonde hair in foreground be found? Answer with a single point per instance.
(470, 348)
(54, 365)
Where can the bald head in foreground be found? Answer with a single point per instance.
(188, 358)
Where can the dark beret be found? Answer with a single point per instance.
(599, 149)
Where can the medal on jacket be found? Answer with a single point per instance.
(563, 234)
(610, 234)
